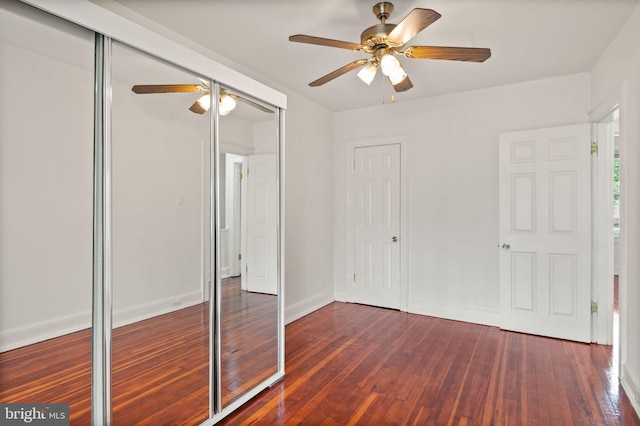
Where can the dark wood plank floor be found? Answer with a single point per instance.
(160, 371)
(351, 364)
(345, 364)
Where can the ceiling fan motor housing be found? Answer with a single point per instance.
(375, 37)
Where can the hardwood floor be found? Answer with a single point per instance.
(350, 364)
(160, 373)
(345, 364)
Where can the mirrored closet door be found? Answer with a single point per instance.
(160, 237)
(140, 223)
(249, 224)
(46, 175)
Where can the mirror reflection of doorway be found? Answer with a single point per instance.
(231, 218)
(249, 316)
(249, 313)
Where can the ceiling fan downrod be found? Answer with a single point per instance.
(383, 10)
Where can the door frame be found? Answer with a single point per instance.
(372, 141)
(602, 288)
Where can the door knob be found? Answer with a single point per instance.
(394, 239)
(505, 246)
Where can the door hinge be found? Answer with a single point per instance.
(594, 147)
(354, 277)
(239, 256)
(594, 307)
(354, 164)
(240, 176)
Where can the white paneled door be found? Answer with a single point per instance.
(376, 195)
(262, 225)
(545, 232)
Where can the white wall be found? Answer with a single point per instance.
(309, 207)
(236, 135)
(453, 185)
(46, 124)
(157, 201)
(617, 75)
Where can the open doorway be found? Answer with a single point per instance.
(608, 223)
(613, 130)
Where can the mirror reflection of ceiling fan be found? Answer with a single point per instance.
(385, 40)
(201, 105)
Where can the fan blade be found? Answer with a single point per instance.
(300, 38)
(197, 108)
(416, 21)
(470, 54)
(404, 85)
(167, 88)
(338, 72)
(251, 103)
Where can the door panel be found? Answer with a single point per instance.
(377, 225)
(262, 230)
(545, 231)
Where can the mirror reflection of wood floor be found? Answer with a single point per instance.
(160, 365)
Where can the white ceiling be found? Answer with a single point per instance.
(529, 40)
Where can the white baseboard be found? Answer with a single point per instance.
(44, 330)
(631, 385)
(305, 307)
(341, 296)
(439, 310)
(157, 307)
(470, 314)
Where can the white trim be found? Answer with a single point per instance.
(606, 107)
(602, 326)
(602, 241)
(233, 148)
(145, 311)
(48, 329)
(631, 384)
(96, 18)
(305, 307)
(341, 296)
(43, 330)
(217, 417)
(475, 315)
(377, 140)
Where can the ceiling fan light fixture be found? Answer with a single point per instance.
(205, 101)
(392, 68)
(227, 104)
(389, 64)
(368, 73)
(397, 75)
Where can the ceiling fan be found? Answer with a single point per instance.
(227, 100)
(385, 40)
